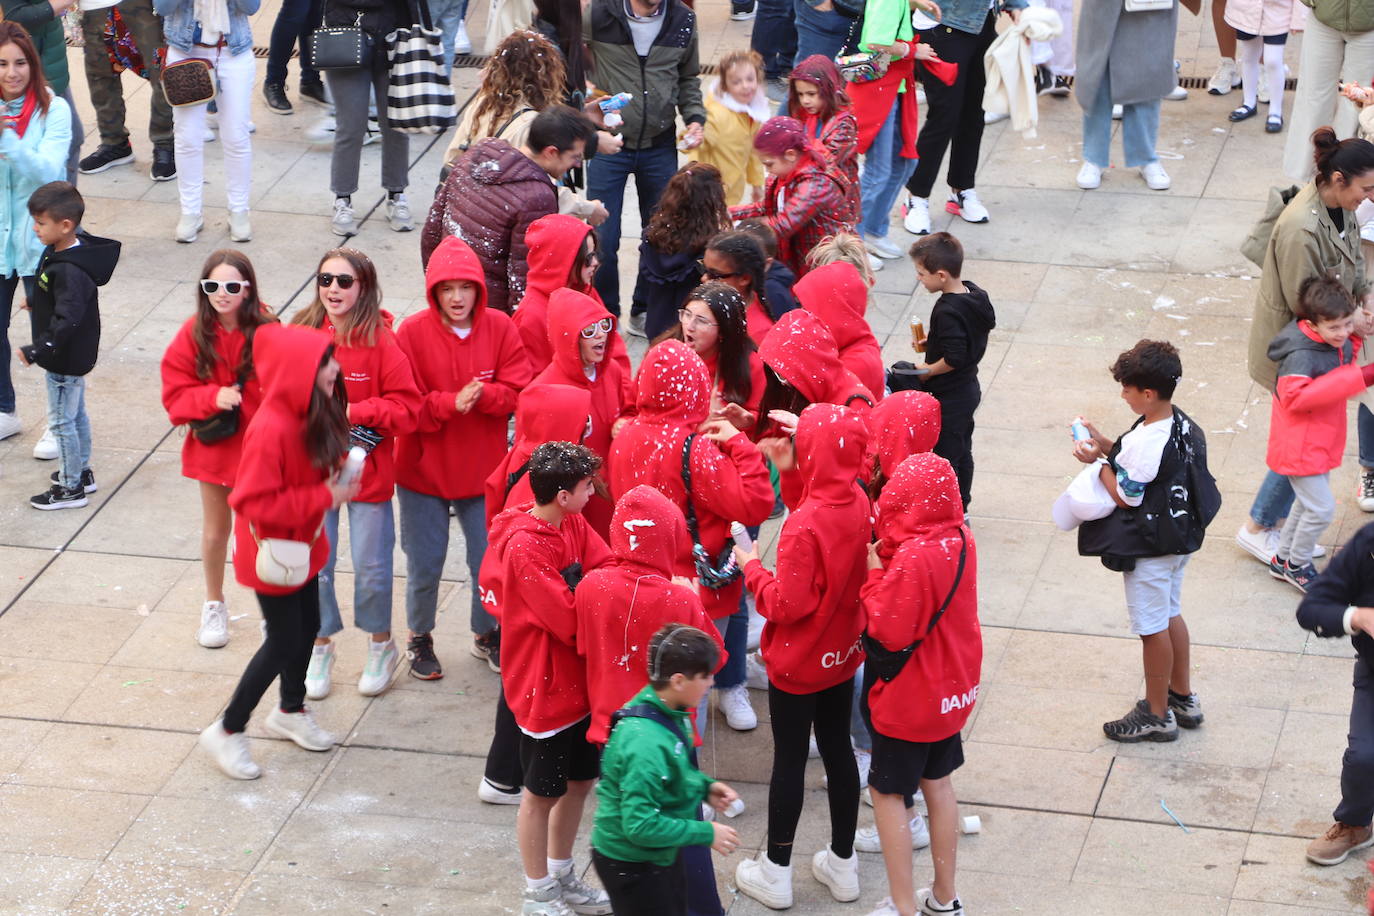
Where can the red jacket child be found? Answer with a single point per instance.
(729, 482)
(803, 207)
(920, 520)
(624, 603)
(837, 294)
(838, 135)
(186, 397)
(278, 491)
(449, 454)
(549, 413)
(1308, 411)
(542, 676)
(811, 606)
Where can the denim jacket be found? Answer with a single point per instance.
(179, 24)
(969, 15)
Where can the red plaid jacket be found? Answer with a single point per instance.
(803, 208)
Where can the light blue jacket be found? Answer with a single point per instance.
(179, 24)
(969, 15)
(26, 162)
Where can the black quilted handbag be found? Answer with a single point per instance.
(340, 47)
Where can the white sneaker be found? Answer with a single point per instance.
(343, 222)
(299, 727)
(886, 908)
(992, 117)
(1118, 111)
(581, 896)
(1177, 94)
(188, 227)
(1155, 177)
(45, 449)
(240, 229)
(461, 43)
(317, 675)
(756, 620)
(398, 214)
(1365, 492)
(882, 247)
(739, 715)
(545, 901)
(383, 659)
(1225, 79)
(866, 838)
(766, 882)
(1262, 545)
(1089, 176)
(917, 218)
(10, 425)
(840, 875)
(214, 625)
(230, 751)
(928, 906)
(756, 675)
(493, 794)
(967, 206)
(875, 264)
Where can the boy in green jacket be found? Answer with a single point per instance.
(650, 793)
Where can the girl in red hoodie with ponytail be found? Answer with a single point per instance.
(286, 482)
(207, 370)
(811, 647)
(382, 404)
(470, 367)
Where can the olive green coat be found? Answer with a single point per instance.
(1344, 15)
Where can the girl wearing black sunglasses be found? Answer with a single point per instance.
(207, 372)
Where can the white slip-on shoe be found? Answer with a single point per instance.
(1156, 179)
(493, 794)
(299, 727)
(1089, 176)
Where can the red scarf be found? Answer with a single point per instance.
(21, 123)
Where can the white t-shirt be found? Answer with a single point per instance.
(461, 332)
(1138, 461)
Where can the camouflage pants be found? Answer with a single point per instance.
(107, 92)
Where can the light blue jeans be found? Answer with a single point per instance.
(446, 15)
(1139, 129)
(70, 426)
(858, 729)
(372, 538)
(884, 174)
(424, 538)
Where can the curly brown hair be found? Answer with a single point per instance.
(691, 210)
(525, 70)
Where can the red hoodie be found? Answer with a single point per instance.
(612, 389)
(920, 518)
(811, 637)
(186, 397)
(624, 603)
(549, 413)
(450, 454)
(729, 482)
(522, 585)
(554, 242)
(279, 493)
(904, 423)
(382, 395)
(803, 354)
(838, 296)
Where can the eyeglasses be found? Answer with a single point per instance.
(345, 281)
(697, 322)
(604, 326)
(232, 287)
(714, 274)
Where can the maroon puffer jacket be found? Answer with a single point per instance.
(490, 198)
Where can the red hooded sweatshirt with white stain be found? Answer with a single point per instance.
(523, 585)
(811, 605)
(920, 518)
(904, 423)
(549, 413)
(279, 492)
(624, 603)
(729, 482)
(450, 454)
(838, 296)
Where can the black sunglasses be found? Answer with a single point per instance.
(345, 281)
(714, 274)
(232, 287)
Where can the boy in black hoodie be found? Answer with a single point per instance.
(959, 325)
(64, 312)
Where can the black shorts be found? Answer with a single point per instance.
(1280, 39)
(899, 766)
(551, 763)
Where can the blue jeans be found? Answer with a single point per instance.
(885, 173)
(447, 15)
(734, 631)
(1273, 501)
(372, 538)
(859, 734)
(424, 538)
(1139, 128)
(774, 37)
(606, 180)
(70, 426)
(7, 287)
(817, 32)
(295, 21)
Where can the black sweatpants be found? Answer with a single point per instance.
(954, 114)
(955, 444)
(642, 888)
(793, 717)
(1357, 766)
(503, 757)
(292, 622)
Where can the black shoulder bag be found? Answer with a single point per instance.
(219, 426)
(723, 570)
(650, 711)
(886, 664)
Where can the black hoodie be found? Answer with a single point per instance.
(959, 327)
(1347, 581)
(64, 310)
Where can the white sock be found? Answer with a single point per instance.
(557, 866)
(535, 884)
(1248, 53)
(1273, 60)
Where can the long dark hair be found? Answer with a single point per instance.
(15, 34)
(1349, 157)
(746, 257)
(778, 395)
(690, 211)
(250, 316)
(727, 307)
(326, 422)
(586, 250)
(566, 18)
(364, 320)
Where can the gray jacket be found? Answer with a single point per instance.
(1135, 50)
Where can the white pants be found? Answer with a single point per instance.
(1327, 56)
(234, 73)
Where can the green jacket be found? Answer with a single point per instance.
(650, 794)
(46, 30)
(1344, 15)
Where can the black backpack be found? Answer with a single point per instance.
(650, 711)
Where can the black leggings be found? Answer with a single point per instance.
(292, 622)
(642, 888)
(503, 756)
(793, 716)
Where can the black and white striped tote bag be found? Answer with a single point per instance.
(419, 99)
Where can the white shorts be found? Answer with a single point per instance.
(1153, 591)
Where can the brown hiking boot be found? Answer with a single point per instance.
(1337, 843)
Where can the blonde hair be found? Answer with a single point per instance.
(842, 246)
(732, 59)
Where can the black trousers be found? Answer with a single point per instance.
(503, 757)
(292, 622)
(1357, 767)
(642, 888)
(793, 717)
(954, 114)
(955, 444)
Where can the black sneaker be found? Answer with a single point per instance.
(314, 92)
(1044, 80)
(1278, 567)
(1142, 725)
(164, 163)
(59, 497)
(1300, 577)
(277, 102)
(424, 664)
(488, 647)
(105, 157)
(1187, 709)
(87, 479)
